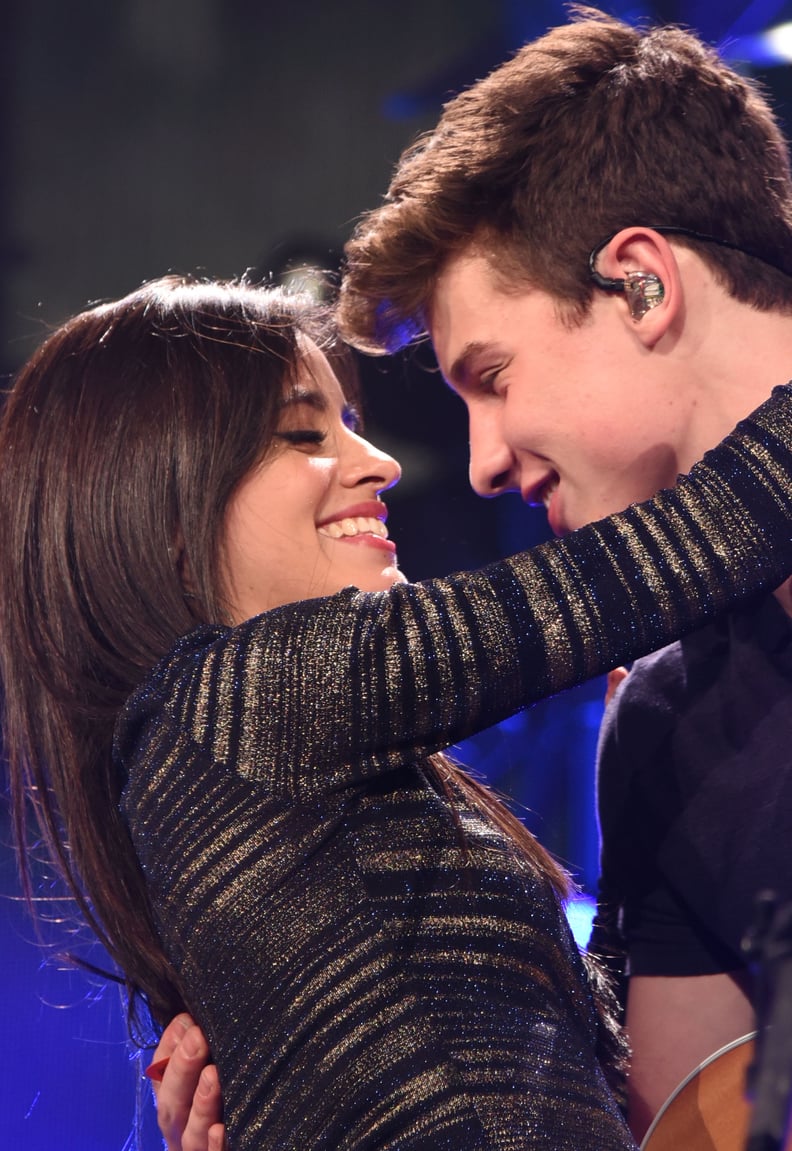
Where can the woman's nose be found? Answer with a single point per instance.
(369, 464)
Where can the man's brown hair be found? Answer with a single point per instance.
(594, 127)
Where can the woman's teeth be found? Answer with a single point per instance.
(354, 527)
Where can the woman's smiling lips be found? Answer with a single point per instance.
(361, 524)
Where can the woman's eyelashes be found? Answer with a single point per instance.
(302, 437)
(315, 437)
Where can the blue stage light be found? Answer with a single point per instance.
(580, 913)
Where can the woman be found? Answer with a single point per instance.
(226, 706)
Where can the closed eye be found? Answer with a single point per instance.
(488, 379)
(297, 436)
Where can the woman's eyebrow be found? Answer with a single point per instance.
(301, 395)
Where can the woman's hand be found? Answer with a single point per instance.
(189, 1102)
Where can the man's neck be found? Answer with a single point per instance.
(732, 356)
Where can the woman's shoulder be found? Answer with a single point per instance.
(170, 675)
(189, 651)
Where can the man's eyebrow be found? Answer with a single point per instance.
(460, 368)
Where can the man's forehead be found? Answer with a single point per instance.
(463, 317)
(468, 282)
(469, 268)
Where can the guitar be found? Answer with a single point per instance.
(708, 1111)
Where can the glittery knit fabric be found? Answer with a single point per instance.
(364, 983)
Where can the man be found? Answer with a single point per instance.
(598, 240)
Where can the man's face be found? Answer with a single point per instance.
(575, 418)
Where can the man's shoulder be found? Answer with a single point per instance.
(655, 682)
(699, 672)
(661, 687)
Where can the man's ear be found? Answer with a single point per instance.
(649, 296)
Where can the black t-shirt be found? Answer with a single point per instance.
(695, 793)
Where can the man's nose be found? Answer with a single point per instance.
(492, 462)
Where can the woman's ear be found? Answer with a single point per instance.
(639, 267)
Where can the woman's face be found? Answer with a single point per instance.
(308, 520)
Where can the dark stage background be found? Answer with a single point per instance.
(141, 136)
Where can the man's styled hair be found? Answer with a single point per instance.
(594, 127)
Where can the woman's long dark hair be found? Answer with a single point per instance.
(121, 443)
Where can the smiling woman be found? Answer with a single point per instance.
(227, 711)
(308, 521)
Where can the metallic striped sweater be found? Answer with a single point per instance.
(368, 978)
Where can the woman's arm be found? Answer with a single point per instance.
(359, 683)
